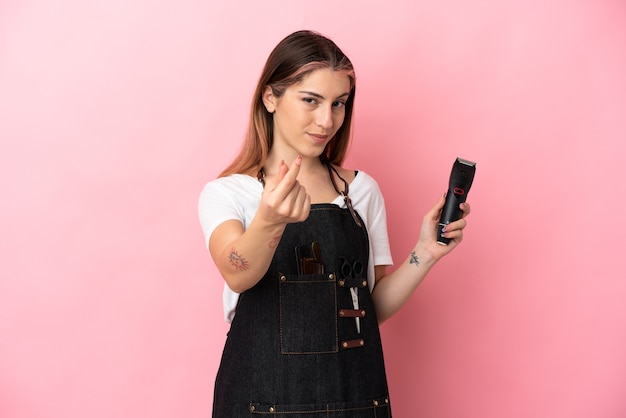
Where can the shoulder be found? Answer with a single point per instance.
(236, 180)
(365, 183)
(365, 192)
(357, 178)
(346, 174)
(236, 196)
(233, 184)
(234, 190)
(368, 200)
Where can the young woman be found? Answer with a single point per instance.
(302, 245)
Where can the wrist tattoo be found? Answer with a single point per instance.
(274, 241)
(414, 259)
(238, 261)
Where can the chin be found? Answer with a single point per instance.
(313, 154)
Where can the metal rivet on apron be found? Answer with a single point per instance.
(282, 278)
(362, 313)
(386, 400)
(362, 343)
(342, 283)
(341, 312)
(331, 276)
(271, 409)
(375, 403)
(251, 408)
(364, 283)
(344, 345)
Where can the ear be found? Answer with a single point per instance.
(269, 100)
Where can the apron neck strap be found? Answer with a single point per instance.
(344, 193)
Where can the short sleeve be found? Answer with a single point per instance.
(234, 197)
(379, 236)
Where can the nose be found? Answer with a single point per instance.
(324, 117)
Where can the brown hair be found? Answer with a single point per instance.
(292, 59)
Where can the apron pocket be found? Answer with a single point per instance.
(377, 408)
(308, 314)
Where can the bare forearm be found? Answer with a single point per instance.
(393, 290)
(245, 260)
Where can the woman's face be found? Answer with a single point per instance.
(309, 113)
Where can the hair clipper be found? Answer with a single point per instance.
(461, 179)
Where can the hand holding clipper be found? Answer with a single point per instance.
(461, 179)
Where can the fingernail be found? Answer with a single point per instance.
(299, 159)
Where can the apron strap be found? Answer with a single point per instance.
(344, 193)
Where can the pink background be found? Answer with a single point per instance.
(114, 114)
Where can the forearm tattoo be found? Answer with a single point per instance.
(238, 261)
(414, 259)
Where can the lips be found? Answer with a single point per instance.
(319, 138)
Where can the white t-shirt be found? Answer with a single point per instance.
(238, 197)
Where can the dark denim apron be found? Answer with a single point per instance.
(295, 347)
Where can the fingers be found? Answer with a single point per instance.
(282, 169)
(285, 200)
(301, 206)
(453, 230)
(435, 211)
(291, 173)
(465, 207)
(287, 176)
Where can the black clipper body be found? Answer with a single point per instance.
(461, 179)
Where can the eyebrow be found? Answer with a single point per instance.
(319, 96)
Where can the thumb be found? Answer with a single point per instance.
(435, 212)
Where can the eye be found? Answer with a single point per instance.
(339, 104)
(309, 100)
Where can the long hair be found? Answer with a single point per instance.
(292, 59)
